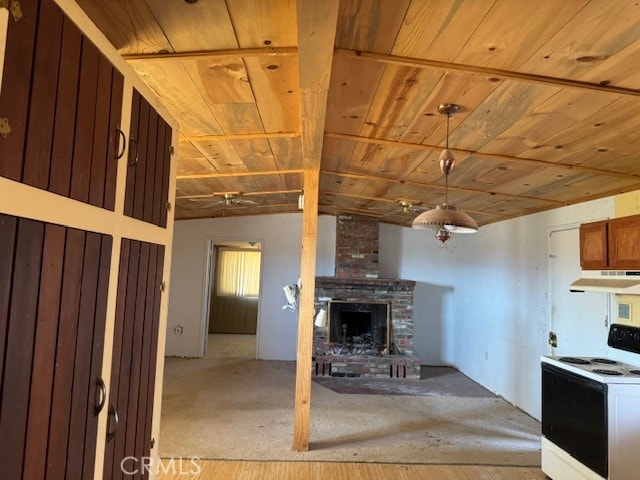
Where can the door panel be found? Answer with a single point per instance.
(43, 96)
(53, 307)
(66, 103)
(19, 347)
(147, 186)
(8, 227)
(44, 352)
(578, 319)
(135, 345)
(16, 78)
(62, 99)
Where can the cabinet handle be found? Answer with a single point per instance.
(113, 414)
(101, 396)
(133, 141)
(122, 139)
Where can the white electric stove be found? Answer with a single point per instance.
(591, 414)
(603, 370)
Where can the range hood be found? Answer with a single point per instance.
(609, 281)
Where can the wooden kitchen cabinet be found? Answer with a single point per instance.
(593, 245)
(611, 244)
(624, 242)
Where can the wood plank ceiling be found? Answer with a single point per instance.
(549, 96)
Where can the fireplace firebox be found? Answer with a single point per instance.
(359, 325)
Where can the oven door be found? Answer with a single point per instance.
(574, 416)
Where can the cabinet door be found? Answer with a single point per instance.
(62, 100)
(147, 187)
(53, 299)
(624, 243)
(593, 245)
(134, 358)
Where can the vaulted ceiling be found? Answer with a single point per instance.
(548, 89)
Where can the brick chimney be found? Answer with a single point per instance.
(357, 239)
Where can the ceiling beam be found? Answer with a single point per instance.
(237, 136)
(418, 203)
(316, 36)
(198, 176)
(492, 72)
(492, 156)
(363, 197)
(232, 52)
(227, 210)
(243, 194)
(334, 210)
(359, 176)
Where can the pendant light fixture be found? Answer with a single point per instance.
(446, 219)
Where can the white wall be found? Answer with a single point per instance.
(280, 236)
(416, 255)
(501, 278)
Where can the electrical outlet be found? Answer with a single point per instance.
(624, 311)
(486, 355)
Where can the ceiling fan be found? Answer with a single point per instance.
(228, 199)
(405, 207)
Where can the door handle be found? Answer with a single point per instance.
(101, 396)
(113, 415)
(122, 144)
(132, 142)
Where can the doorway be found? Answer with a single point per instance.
(580, 320)
(233, 298)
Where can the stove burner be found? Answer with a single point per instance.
(634, 372)
(574, 360)
(604, 361)
(605, 371)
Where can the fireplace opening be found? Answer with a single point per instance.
(359, 328)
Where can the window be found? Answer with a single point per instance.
(238, 272)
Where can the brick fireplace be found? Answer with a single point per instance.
(369, 320)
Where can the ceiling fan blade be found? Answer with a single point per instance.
(241, 201)
(209, 203)
(392, 212)
(379, 207)
(417, 208)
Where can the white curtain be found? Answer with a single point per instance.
(238, 273)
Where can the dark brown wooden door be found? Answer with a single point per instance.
(624, 243)
(62, 100)
(133, 365)
(147, 186)
(53, 300)
(593, 245)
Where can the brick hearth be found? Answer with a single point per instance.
(400, 362)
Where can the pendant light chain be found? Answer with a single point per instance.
(446, 175)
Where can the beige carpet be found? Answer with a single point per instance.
(222, 345)
(238, 408)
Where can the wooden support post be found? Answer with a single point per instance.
(306, 310)
(316, 36)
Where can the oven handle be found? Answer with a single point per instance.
(572, 377)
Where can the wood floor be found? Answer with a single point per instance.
(243, 470)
